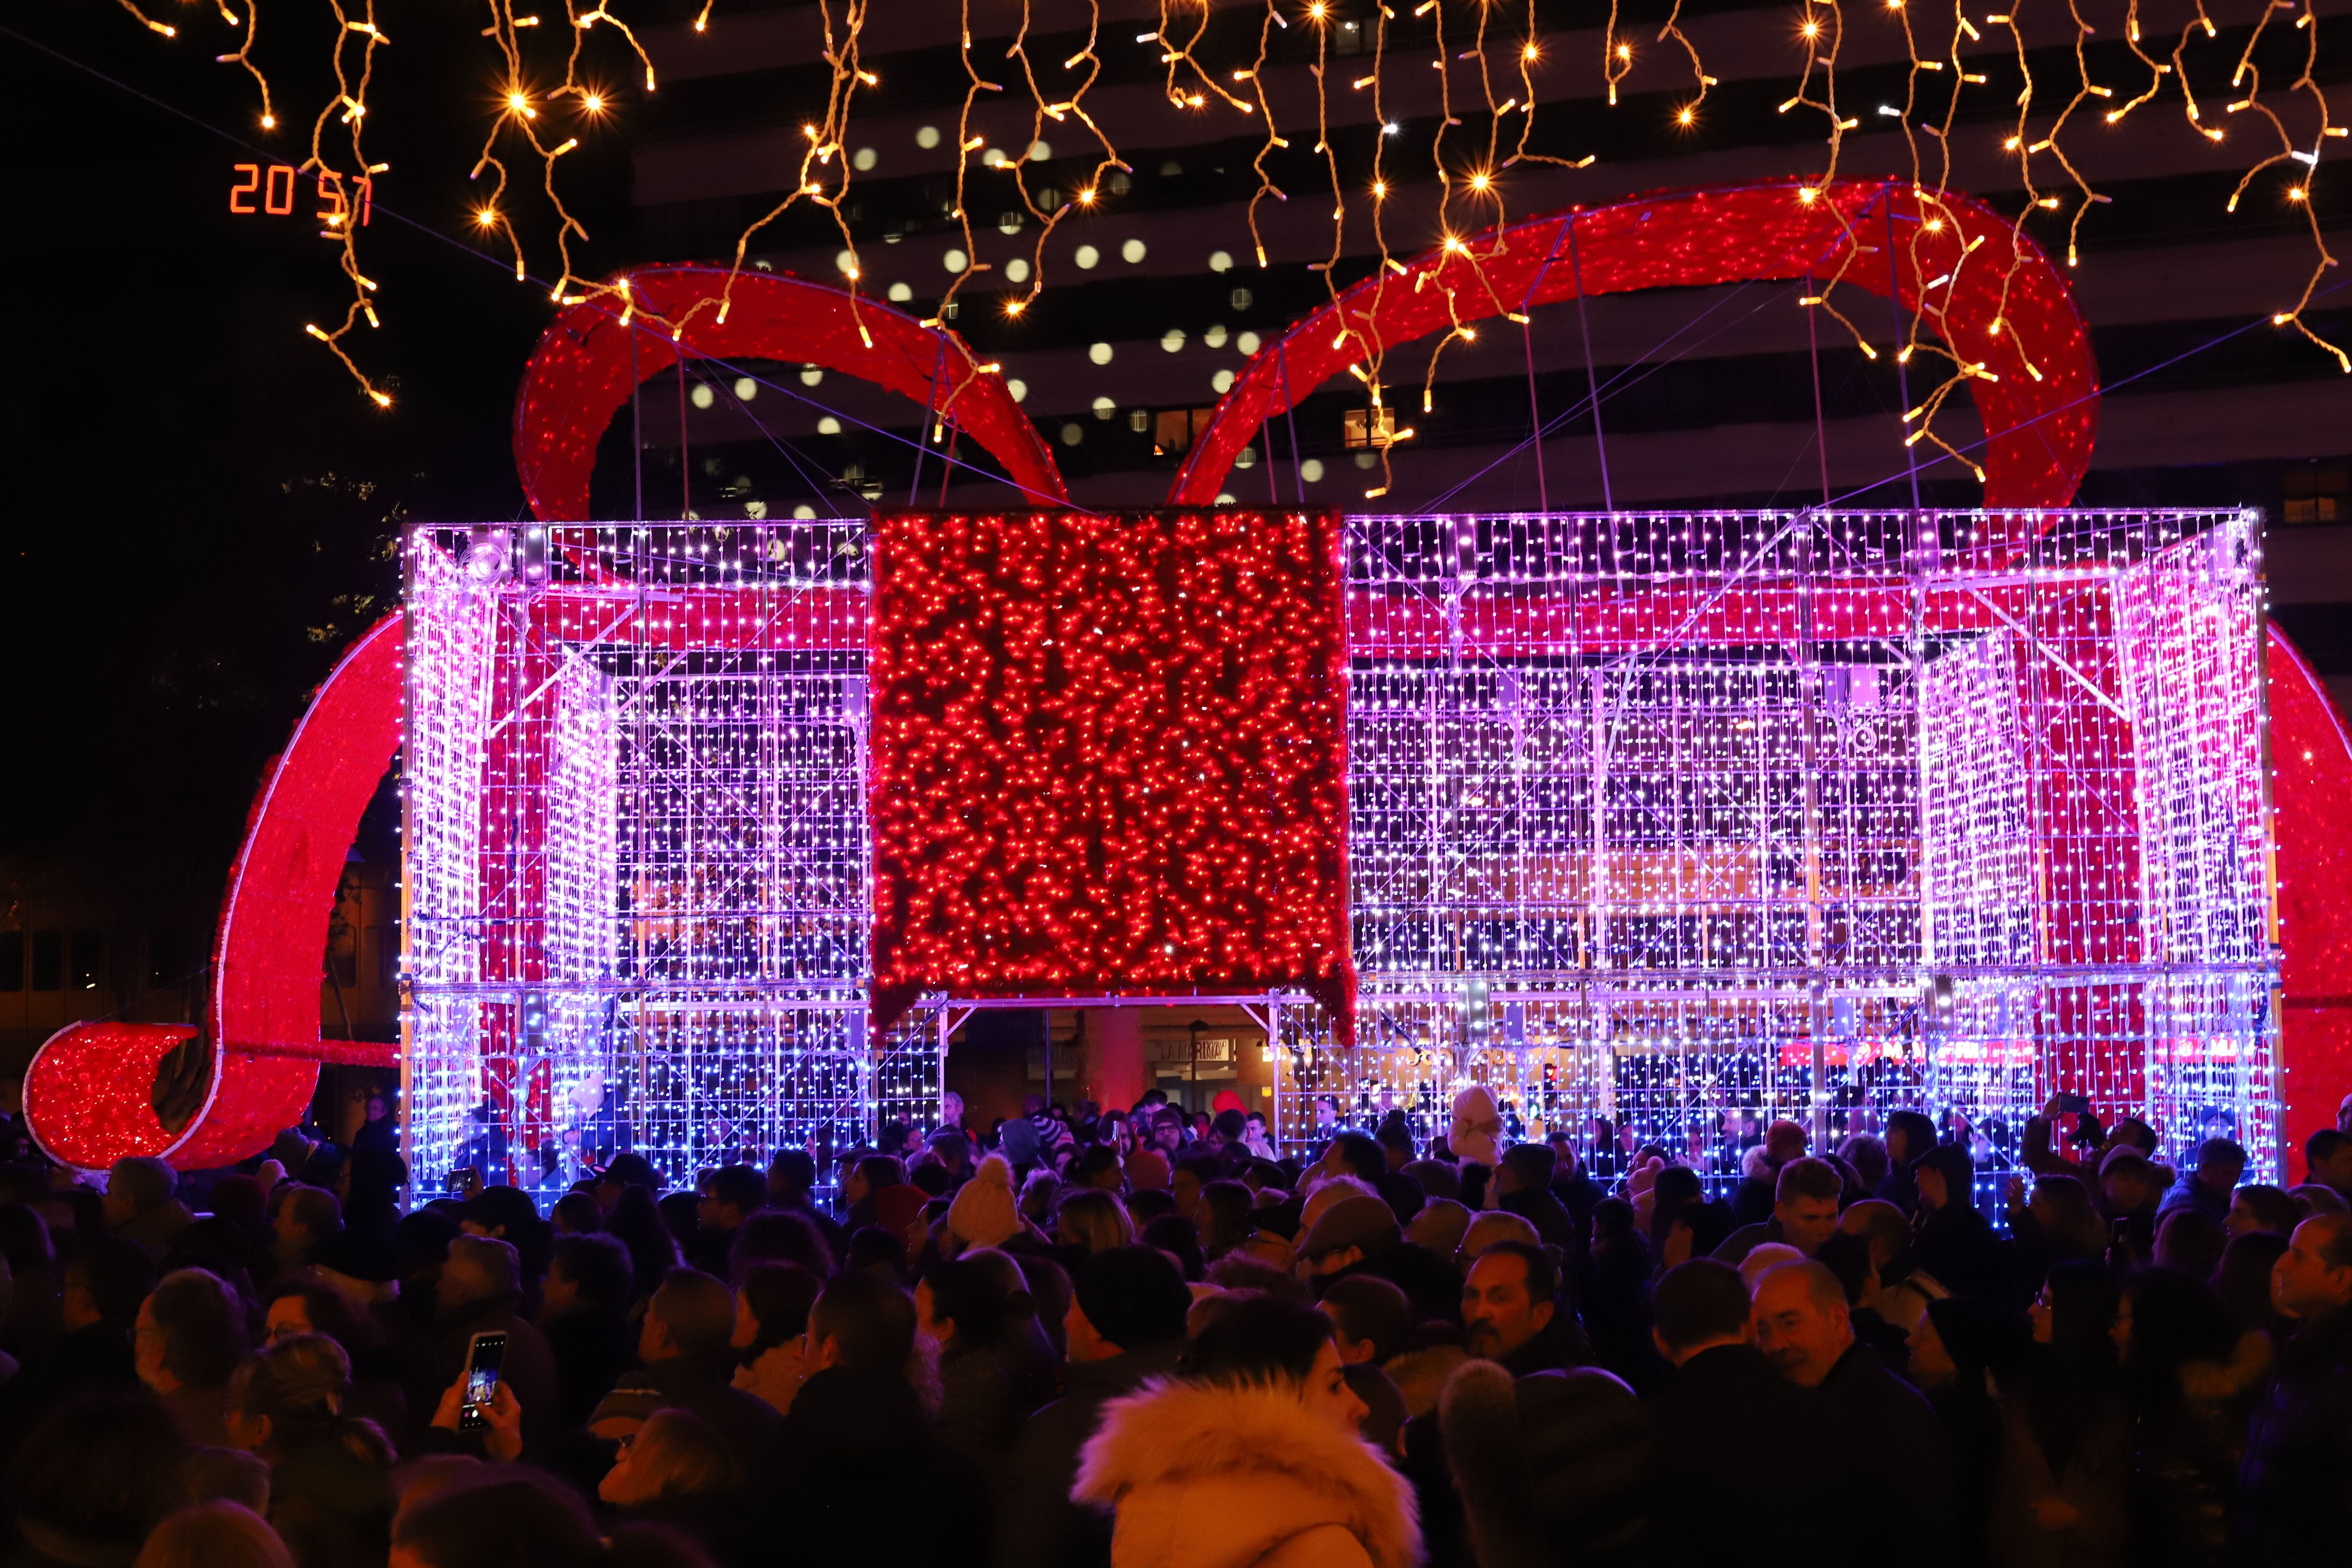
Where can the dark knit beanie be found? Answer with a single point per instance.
(1134, 1296)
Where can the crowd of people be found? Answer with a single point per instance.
(1143, 1340)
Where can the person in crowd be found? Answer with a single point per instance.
(2131, 1187)
(777, 1235)
(1092, 1221)
(187, 1340)
(1752, 1200)
(2298, 1453)
(29, 1324)
(685, 1344)
(1909, 1134)
(1953, 1241)
(1359, 1235)
(1804, 1212)
(2243, 1281)
(509, 1514)
(1612, 1290)
(2189, 1239)
(677, 1471)
(1523, 1187)
(2205, 1187)
(2192, 1377)
(985, 1212)
(584, 1316)
(306, 1222)
(305, 1303)
(1722, 1395)
(2058, 1224)
(1487, 1229)
(635, 1220)
(219, 1534)
(772, 1309)
(727, 1196)
(480, 1291)
(93, 1479)
(1549, 1469)
(104, 1283)
(857, 1445)
(960, 1311)
(2064, 1447)
(2261, 1207)
(791, 1189)
(1251, 1455)
(2327, 1161)
(331, 1495)
(1902, 1477)
(1222, 1218)
(576, 1214)
(1511, 1312)
(1125, 1327)
(142, 1204)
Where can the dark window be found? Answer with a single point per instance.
(48, 960)
(12, 961)
(167, 956)
(2318, 495)
(84, 971)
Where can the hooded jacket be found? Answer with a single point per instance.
(1243, 1477)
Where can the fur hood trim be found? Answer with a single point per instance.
(1756, 1165)
(2214, 1382)
(1479, 1415)
(1214, 1476)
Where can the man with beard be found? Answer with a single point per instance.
(1511, 1313)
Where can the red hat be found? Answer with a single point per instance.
(1147, 1170)
(1226, 1100)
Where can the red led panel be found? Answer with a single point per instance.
(1108, 756)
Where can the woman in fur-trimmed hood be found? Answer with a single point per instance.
(1250, 1458)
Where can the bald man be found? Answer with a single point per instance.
(2298, 1464)
(1903, 1461)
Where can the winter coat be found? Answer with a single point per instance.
(1902, 1475)
(1038, 1525)
(2298, 1459)
(592, 1346)
(858, 1456)
(2186, 1448)
(2093, 1480)
(1956, 1244)
(1222, 1475)
(1715, 1411)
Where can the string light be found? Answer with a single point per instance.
(1193, 82)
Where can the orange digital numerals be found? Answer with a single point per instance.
(274, 184)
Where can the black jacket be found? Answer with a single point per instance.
(1901, 1473)
(1560, 1345)
(1550, 1218)
(1718, 1412)
(592, 1347)
(2297, 1470)
(859, 1457)
(1038, 1525)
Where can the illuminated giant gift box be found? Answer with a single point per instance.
(1692, 819)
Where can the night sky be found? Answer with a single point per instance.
(201, 503)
